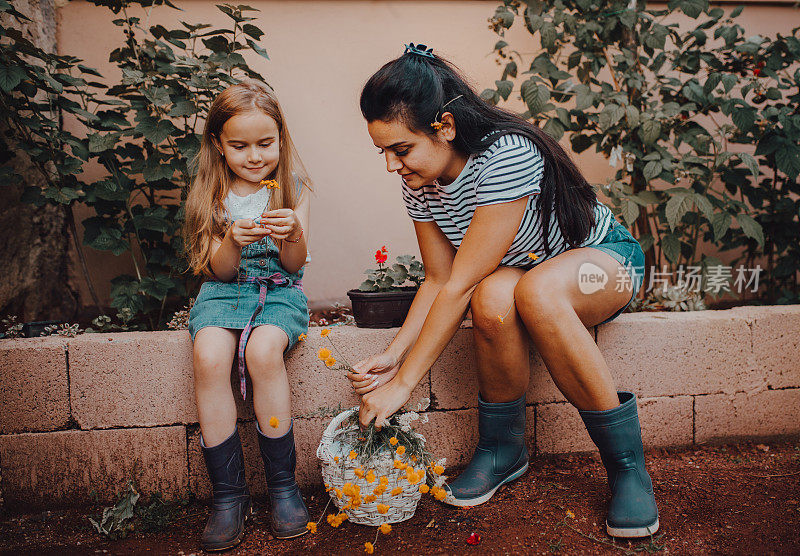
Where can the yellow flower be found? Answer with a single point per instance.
(330, 361)
(570, 514)
(311, 526)
(386, 528)
(356, 502)
(270, 184)
(383, 480)
(323, 354)
(398, 464)
(401, 450)
(369, 499)
(383, 508)
(438, 469)
(368, 548)
(424, 488)
(533, 256)
(359, 472)
(393, 441)
(378, 490)
(440, 494)
(352, 454)
(325, 332)
(337, 492)
(302, 337)
(371, 476)
(273, 422)
(395, 491)
(414, 478)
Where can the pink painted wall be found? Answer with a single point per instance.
(321, 53)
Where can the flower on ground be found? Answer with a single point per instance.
(368, 548)
(386, 528)
(570, 514)
(383, 508)
(325, 332)
(311, 526)
(323, 354)
(273, 422)
(330, 361)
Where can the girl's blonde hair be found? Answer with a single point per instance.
(205, 212)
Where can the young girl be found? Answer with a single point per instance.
(482, 187)
(246, 229)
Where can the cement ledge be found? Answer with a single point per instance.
(84, 414)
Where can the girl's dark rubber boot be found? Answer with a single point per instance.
(501, 455)
(289, 515)
(618, 436)
(231, 503)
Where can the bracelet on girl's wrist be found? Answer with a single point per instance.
(295, 240)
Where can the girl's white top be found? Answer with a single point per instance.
(250, 206)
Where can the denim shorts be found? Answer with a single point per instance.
(620, 244)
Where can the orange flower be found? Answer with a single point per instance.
(438, 469)
(383, 480)
(370, 498)
(336, 459)
(399, 464)
(436, 125)
(378, 490)
(368, 548)
(383, 508)
(352, 454)
(533, 256)
(273, 422)
(371, 476)
(302, 337)
(311, 526)
(500, 319)
(385, 528)
(424, 488)
(359, 472)
(323, 354)
(440, 494)
(330, 361)
(393, 441)
(570, 514)
(414, 459)
(325, 332)
(270, 184)
(395, 491)
(401, 450)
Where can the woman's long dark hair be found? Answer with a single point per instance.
(414, 88)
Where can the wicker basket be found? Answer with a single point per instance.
(401, 506)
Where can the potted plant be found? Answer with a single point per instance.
(382, 300)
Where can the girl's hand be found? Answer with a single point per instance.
(245, 231)
(373, 372)
(282, 224)
(383, 403)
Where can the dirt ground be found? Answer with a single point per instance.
(733, 499)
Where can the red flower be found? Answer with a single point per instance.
(380, 257)
(757, 72)
(474, 539)
(384, 249)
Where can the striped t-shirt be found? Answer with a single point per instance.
(510, 169)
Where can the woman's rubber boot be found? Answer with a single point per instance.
(618, 436)
(231, 503)
(501, 455)
(289, 515)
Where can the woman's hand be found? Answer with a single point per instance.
(245, 231)
(373, 372)
(282, 224)
(383, 403)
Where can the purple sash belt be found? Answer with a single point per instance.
(264, 284)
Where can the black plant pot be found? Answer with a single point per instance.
(381, 309)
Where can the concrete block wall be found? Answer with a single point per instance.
(80, 416)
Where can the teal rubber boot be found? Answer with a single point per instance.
(288, 513)
(231, 504)
(501, 455)
(618, 436)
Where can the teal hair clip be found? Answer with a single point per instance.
(419, 50)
